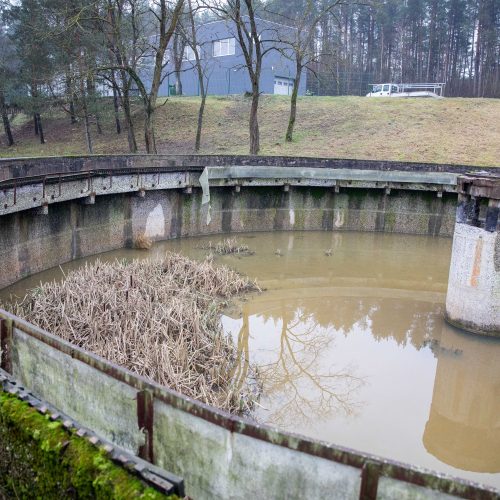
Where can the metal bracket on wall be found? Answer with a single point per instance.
(6, 344)
(145, 418)
(369, 481)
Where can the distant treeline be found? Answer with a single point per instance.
(452, 41)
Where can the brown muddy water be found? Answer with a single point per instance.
(353, 349)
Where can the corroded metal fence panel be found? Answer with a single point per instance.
(99, 401)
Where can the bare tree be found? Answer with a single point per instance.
(254, 48)
(123, 35)
(167, 21)
(201, 72)
(300, 47)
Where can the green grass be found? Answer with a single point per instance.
(452, 130)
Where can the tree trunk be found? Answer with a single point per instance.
(88, 136)
(35, 123)
(127, 111)
(39, 126)
(115, 103)
(6, 123)
(149, 134)
(293, 104)
(72, 111)
(254, 123)
(132, 143)
(178, 47)
(178, 83)
(91, 92)
(201, 81)
(70, 95)
(86, 120)
(199, 127)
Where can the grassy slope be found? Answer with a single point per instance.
(449, 130)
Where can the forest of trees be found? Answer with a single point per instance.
(72, 54)
(456, 42)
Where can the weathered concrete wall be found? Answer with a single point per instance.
(224, 464)
(31, 242)
(100, 402)
(12, 168)
(217, 454)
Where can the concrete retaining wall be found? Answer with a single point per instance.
(217, 454)
(31, 241)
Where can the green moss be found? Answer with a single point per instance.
(390, 221)
(317, 192)
(41, 459)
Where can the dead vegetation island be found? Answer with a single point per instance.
(160, 318)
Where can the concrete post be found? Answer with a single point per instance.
(473, 297)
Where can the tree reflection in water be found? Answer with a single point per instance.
(300, 379)
(296, 376)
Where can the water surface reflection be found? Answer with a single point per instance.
(353, 349)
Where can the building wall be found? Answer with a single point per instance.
(228, 74)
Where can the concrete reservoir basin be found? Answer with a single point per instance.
(349, 331)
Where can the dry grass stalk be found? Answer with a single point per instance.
(142, 242)
(159, 318)
(226, 247)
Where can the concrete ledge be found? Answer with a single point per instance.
(16, 168)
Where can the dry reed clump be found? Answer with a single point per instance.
(227, 246)
(159, 318)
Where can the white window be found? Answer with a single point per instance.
(224, 47)
(189, 53)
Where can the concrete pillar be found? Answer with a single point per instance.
(473, 297)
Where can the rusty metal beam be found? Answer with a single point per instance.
(6, 344)
(145, 419)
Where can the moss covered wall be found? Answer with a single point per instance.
(39, 458)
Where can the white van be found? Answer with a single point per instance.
(406, 90)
